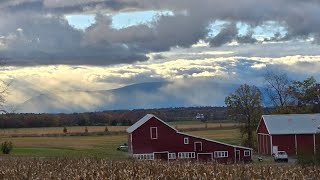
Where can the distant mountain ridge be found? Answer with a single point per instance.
(136, 96)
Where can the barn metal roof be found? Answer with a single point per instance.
(292, 123)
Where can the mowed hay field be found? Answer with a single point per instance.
(84, 168)
(200, 125)
(231, 136)
(96, 146)
(69, 146)
(185, 125)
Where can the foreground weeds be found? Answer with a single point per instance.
(46, 168)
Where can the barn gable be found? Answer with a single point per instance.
(292, 123)
(262, 127)
(144, 120)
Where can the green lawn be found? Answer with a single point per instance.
(95, 146)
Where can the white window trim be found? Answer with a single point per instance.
(246, 153)
(186, 140)
(143, 156)
(221, 154)
(156, 128)
(172, 156)
(186, 155)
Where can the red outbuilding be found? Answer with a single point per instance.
(293, 133)
(151, 138)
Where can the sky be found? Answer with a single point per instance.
(50, 46)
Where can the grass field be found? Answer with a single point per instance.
(58, 130)
(200, 126)
(184, 125)
(72, 146)
(95, 146)
(231, 136)
(198, 122)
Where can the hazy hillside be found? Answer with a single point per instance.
(136, 96)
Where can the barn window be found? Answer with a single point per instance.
(193, 155)
(186, 140)
(143, 156)
(172, 155)
(220, 154)
(186, 155)
(154, 132)
(247, 153)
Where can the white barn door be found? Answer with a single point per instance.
(274, 149)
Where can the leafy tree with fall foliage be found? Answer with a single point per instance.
(245, 105)
(306, 93)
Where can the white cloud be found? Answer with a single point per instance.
(258, 66)
(201, 43)
(31, 81)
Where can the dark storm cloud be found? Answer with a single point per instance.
(38, 39)
(58, 6)
(274, 50)
(35, 31)
(158, 56)
(226, 35)
(246, 39)
(161, 36)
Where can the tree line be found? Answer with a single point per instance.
(284, 95)
(113, 118)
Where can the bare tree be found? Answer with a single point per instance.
(277, 87)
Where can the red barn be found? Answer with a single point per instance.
(151, 138)
(293, 133)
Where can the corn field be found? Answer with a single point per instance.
(46, 168)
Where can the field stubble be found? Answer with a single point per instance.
(53, 168)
